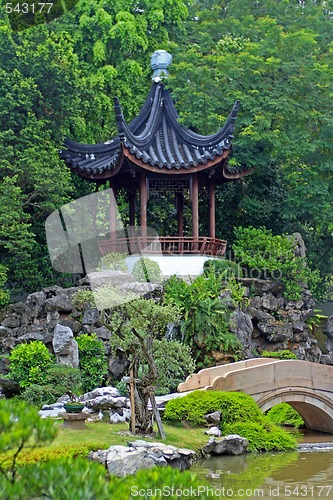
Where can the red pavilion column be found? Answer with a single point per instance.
(180, 219)
(132, 204)
(113, 214)
(195, 209)
(212, 208)
(143, 205)
(180, 213)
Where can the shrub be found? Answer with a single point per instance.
(64, 378)
(174, 363)
(261, 438)
(63, 479)
(146, 269)
(20, 426)
(205, 315)
(165, 479)
(284, 414)
(234, 406)
(29, 362)
(283, 354)
(92, 361)
(83, 299)
(57, 381)
(113, 261)
(272, 257)
(223, 267)
(4, 294)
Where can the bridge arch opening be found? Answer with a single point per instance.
(316, 412)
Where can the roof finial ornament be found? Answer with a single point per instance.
(159, 62)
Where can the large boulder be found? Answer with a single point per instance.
(241, 325)
(65, 346)
(228, 445)
(122, 461)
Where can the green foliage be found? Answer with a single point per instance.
(29, 362)
(58, 380)
(157, 479)
(223, 267)
(284, 414)
(234, 406)
(92, 361)
(109, 296)
(147, 270)
(283, 354)
(262, 438)
(20, 426)
(205, 316)
(83, 298)
(174, 363)
(316, 319)
(4, 294)
(113, 261)
(123, 388)
(271, 257)
(63, 479)
(142, 316)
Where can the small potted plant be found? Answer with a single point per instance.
(73, 405)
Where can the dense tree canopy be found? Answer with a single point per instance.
(59, 79)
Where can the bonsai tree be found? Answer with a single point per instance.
(134, 326)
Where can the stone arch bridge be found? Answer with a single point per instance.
(306, 386)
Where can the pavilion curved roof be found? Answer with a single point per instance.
(155, 141)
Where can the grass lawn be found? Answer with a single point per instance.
(105, 435)
(101, 435)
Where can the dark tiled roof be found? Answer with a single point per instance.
(154, 139)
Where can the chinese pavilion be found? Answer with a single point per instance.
(155, 153)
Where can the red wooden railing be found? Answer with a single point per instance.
(166, 245)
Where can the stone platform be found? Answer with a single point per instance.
(74, 420)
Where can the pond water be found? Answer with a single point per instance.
(272, 475)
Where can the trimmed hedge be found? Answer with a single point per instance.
(234, 406)
(261, 437)
(239, 415)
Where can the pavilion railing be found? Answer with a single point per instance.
(166, 245)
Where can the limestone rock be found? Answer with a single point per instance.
(35, 303)
(90, 317)
(101, 403)
(213, 431)
(213, 418)
(122, 461)
(118, 363)
(241, 325)
(270, 302)
(9, 387)
(103, 333)
(276, 331)
(260, 287)
(233, 444)
(61, 303)
(121, 415)
(328, 327)
(65, 346)
(101, 391)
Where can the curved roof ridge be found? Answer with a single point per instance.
(150, 127)
(202, 140)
